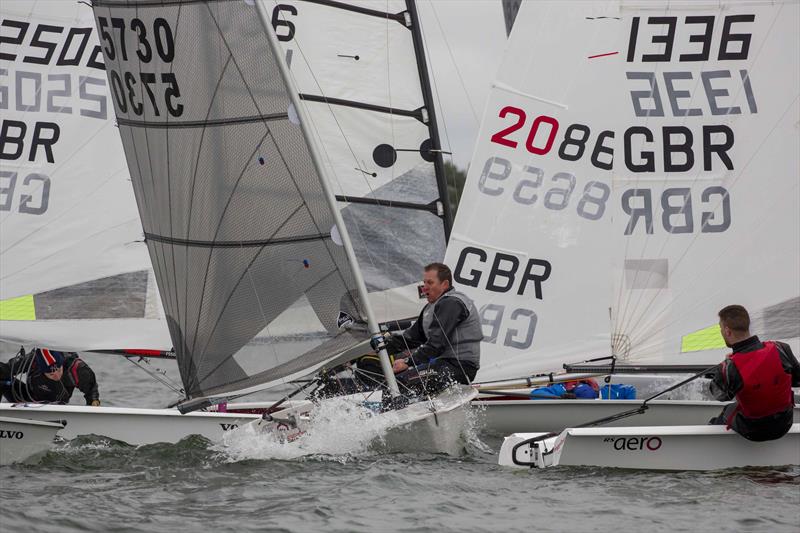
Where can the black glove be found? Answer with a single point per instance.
(378, 342)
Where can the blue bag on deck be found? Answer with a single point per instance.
(583, 391)
(618, 392)
(553, 392)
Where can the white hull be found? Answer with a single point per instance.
(427, 431)
(22, 439)
(134, 426)
(651, 448)
(503, 417)
(418, 428)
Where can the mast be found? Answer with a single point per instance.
(372, 323)
(427, 96)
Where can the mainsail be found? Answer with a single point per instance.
(360, 68)
(74, 272)
(637, 170)
(256, 283)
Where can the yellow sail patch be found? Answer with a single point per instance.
(21, 308)
(708, 338)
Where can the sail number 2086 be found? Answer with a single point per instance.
(677, 143)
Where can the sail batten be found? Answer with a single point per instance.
(413, 113)
(235, 244)
(203, 124)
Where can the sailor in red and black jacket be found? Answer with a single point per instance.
(759, 375)
(52, 376)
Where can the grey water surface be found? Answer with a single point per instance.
(94, 484)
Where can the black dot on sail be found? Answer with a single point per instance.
(425, 151)
(261, 160)
(384, 155)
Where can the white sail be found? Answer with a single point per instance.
(641, 257)
(255, 284)
(74, 272)
(360, 74)
(708, 188)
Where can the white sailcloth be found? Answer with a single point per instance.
(74, 273)
(359, 74)
(707, 207)
(697, 210)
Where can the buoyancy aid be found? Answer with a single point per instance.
(466, 339)
(767, 388)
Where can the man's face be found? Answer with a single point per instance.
(432, 287)
(56, 374)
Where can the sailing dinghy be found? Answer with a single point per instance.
(23, 440)
(649, 448)
(74, 274)
(636, 171)
(260, 282)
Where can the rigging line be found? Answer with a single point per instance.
(160, 377)
(730, 118)
(455, 65)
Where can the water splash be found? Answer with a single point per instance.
(341, 428)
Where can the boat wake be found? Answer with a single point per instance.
(340, 429)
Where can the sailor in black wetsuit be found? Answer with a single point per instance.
(52, 376)
(760, 375)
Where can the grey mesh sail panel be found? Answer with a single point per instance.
(237, 225)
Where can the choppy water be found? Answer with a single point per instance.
(93, 484)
